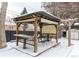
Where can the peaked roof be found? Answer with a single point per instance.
(41, 14)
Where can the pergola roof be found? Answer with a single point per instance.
(41, 14)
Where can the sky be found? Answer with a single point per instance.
(15, 8)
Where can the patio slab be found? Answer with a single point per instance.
(42, 47)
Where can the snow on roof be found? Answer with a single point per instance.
(42, 14)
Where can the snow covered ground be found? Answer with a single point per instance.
(61, 50)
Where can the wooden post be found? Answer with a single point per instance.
(24, 43)
(17, 31)
(47, 36)
(40, 30)
(56, 33)
(69, 36)
(35, 35)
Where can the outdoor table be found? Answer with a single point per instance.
(25, 38)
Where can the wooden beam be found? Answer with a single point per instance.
(23, 17)
(46, 21)
(26, 21)
(43, 21)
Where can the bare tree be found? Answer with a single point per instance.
(24, 11)
(63, 10)
(2, 25)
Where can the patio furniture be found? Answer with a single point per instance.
(40, 19)
(24, 38)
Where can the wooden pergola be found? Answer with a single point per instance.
(40, 19)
